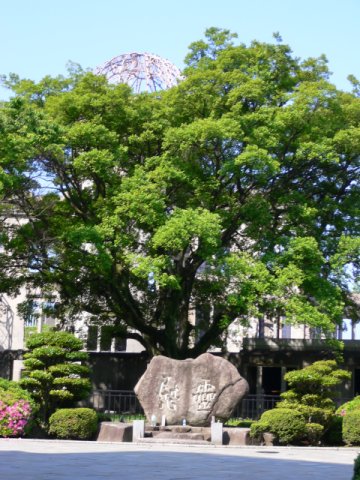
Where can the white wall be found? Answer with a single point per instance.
(11, 325)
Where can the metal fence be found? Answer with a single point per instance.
(252, 406)
(115, 401)
(126, 402)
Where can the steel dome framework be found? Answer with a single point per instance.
(141, 71)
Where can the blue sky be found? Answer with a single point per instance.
(38, 37)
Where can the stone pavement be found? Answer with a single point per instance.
(23, 459)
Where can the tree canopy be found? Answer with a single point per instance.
(235, 193)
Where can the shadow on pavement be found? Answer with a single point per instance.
(159, 465)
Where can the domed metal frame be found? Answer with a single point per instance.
(141, 71)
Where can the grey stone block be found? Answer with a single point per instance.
(115, 432)
(237, 436)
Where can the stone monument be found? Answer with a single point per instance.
(190, 391)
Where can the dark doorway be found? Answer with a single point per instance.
(271, 380)
(251, 376)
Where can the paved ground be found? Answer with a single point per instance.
(54, 460)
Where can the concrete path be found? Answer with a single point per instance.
(54, 460)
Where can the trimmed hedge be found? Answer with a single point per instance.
(356, 468)
(287, 425)
(353, 404)
(73, 423)
(314, 432)
(351, 427)
(333, 434)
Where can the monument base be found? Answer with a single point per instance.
(173, 434)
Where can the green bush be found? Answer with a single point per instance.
(12, 392)
(356, 468)
(312, 414)
(287, 425)
(312, 390)
(351, 428)
(120, 417)
(73, 423)
(239, 422)
(333, 434)
(311, 393)
(313, 432)
(319, 379)
(353, 404)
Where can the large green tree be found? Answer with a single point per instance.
(235, 192)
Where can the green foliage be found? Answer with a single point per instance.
(353, 404)
(62, 340)
(333, 434)
(236, 189)
(28, 331)
(73, 423)
(311, 391)
(356, 475)
(351, 428)
(318, 379)
(288, 426)
(51, 375)
(312, 388)
(314, 432)
(312, 414)
(239, 422)
(11, 391)
(118, 417)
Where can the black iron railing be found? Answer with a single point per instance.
(252, 406)
(115, 401)
(125, 401)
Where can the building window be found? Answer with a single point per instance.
(37, 314)
(286, 331)
(101, 338)
(32, 313)
(261, 328)
(92, 338)
(350, 330)
(315, 333)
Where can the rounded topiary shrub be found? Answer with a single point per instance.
(53, 372)
(351, 427)
(287, 425)
(73, 423)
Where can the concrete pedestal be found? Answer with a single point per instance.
(217, 433)
(138, 429)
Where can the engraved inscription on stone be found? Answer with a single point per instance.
(204, 395)
(168, 394)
